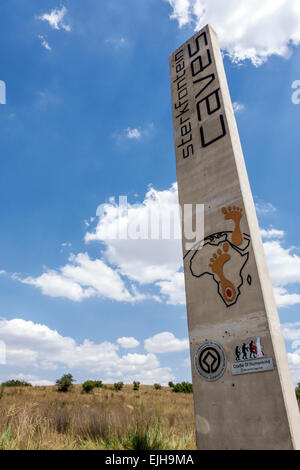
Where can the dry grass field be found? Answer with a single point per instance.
(42, 418)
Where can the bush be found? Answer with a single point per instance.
(16, 383)
(118, 386)
(98, 383)
(157, 386)
(136, 385)
(65, 383)
(171, 385)
(88, 386)
(298, 391)
(183, 387)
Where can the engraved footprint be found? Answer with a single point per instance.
(217, 262)
(234, 213)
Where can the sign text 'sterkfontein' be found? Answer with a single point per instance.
(243, 393)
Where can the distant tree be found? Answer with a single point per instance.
(118, 386)
(136, 386)
(98, 383)
(16, 383)
(65, 383)
(88, 386)
(171, 385)
(298, 391)
(157, 386)
(183, 387)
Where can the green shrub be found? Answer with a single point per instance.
(88, 386)
(183, 387)
(65, 383)
(157, 386)
(98, 383)
(136, 386)
(171, 384)
(16, 383)
(118, 386)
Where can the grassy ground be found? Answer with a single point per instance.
(42, 418)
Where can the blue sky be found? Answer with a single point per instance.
(87, 118)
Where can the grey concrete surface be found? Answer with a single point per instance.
(229, 295)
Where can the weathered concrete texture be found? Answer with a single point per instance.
(229, 294)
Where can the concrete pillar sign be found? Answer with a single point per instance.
(243, 393)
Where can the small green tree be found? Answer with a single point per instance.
(183, 387)
(298, 391)
(65, 383)
(88, 386)
(98, 383)
(171, 384)
(16, 383)
(118, 386)
(136, 386)
(157, 386)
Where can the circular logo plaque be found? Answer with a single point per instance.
(210, 361)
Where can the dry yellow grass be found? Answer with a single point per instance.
(42, 418)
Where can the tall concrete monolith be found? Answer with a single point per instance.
(243, 393)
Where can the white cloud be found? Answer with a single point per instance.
(294, 362)
(2, 272)
(55, 19)
(173, 290)
(284, 299)
(291, 331)
(82, 278)
(128, 343)
(144, 261)
(116, 42)
(247, 29)
(264, 208)
(237, 107)
(133, 133)
(44, 43)
(35, 345)
(155, 265)
(164, 343)
(271, 233)
(283, 264)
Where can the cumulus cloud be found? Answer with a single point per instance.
(36, 345)
(172, 290)
(128, 343)
(291, 331)
(284, 265)
(82, 278)
(144, 261)
(55, 19)
(247, 30)
(164, 343)
(148, 265)
(271, 233)
(133, 133)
